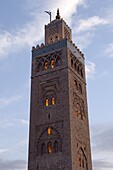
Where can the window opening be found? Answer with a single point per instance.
(80, 89)
(48, 116)
(49, 131)
(52, 100)
(78, 111)
(47, 102)
(83, 163)
(71, 63)
(76, 85)
(46, 65)
(49, 147)
(81, 73)
(80, 162)
(52, 63)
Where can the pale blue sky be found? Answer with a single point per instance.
(22, 26)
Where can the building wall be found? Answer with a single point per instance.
(59, 130)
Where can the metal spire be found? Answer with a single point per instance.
(58, 14)
(49, 12)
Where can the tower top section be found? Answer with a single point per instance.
(57, 30)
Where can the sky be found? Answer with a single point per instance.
(21, 27)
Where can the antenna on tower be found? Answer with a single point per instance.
(49, 12)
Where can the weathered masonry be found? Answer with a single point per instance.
(59, 129)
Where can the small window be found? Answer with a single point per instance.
(56, 37)
(75, 66)
(83, 163)
(79, 161)
(80, 88)
(78, 110)
(52, 63)
(78, 69)
(47, 102)
(49, 147)
(71, 63)
(46, 65)
(58, 61)
(76, 84)
(52, 100)
(49, 131)
(81, 73)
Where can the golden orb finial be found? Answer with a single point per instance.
(58, 14)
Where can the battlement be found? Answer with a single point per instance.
(43, 49)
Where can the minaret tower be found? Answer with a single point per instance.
(59, 129)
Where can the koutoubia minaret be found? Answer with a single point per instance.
(59, 128)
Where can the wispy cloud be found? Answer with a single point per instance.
(4, 150)
(102, 164)
(8, 101)
(102, 145)
(109, 50)
(83, 40)
(13, 164)
(90, 23)
(90, 69)
(29, 34)
(5, 123)
(102, 139)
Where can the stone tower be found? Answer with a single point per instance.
(59, 129)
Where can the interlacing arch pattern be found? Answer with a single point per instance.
(82, 159)
(79, 105)
(78, 87)
(49, 142)
(77, 65)
(49, 62)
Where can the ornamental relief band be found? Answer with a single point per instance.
(78, 103)
(49, 61)
(77, 65)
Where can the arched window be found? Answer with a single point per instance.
(49, 131)
(83, 162)
(52, 63)
(78, 69)
(55, 146)
(80, 88)
(80, 161)
(56, 37)
(81, 73)
(71, 62)
(76, 84)
(49, 147)
(43, 148)
(78, 110)
(52, 100)
(75, 66)
(46, 65)
(58, 61)
(47, 102)
(39, 67)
